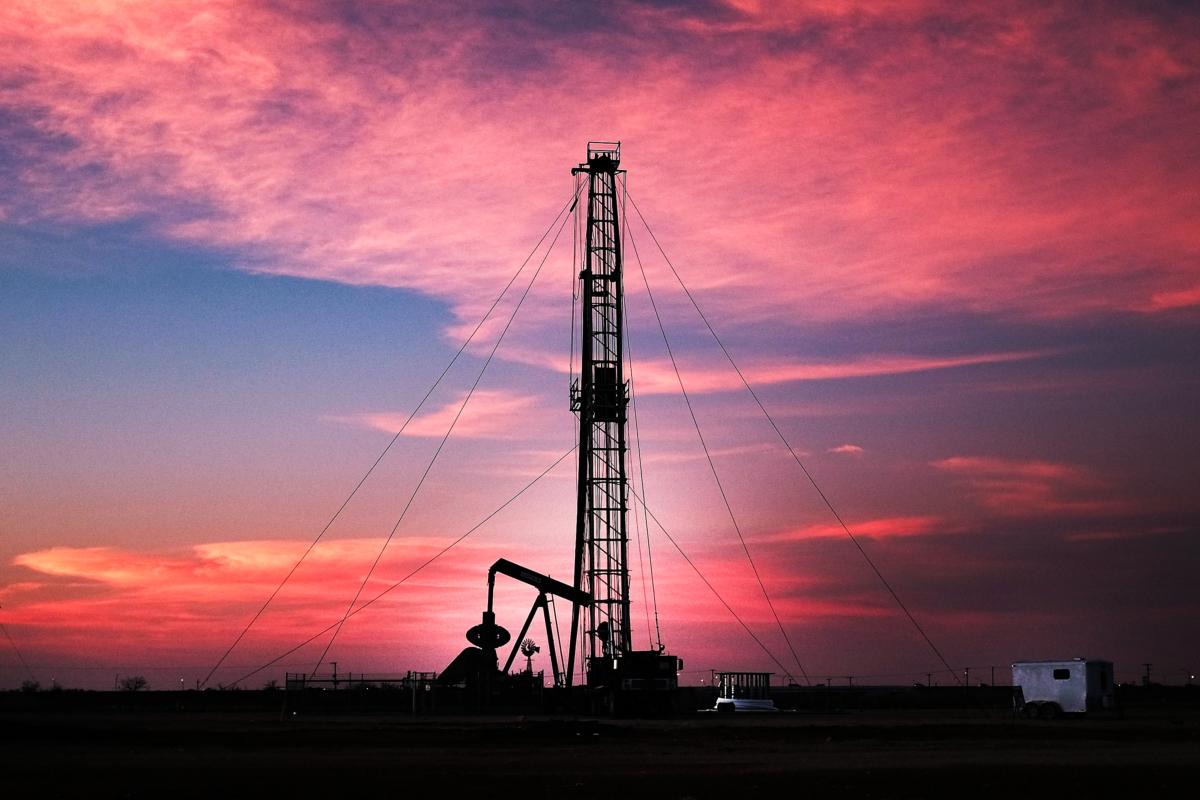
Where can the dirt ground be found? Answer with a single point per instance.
(913, 754)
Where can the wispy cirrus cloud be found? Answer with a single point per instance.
(490, 414)
(882, 527)
(1014, 487)
(658, 377)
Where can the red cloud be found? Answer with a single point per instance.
(148, 607)
(1182, 298)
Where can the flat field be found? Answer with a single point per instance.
(867, 754)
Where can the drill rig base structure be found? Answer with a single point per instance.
(619, 679)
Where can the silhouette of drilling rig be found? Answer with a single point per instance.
(617, 678)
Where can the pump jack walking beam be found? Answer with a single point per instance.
(543, 583)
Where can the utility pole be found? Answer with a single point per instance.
(966, 676)
(1146, 677)
(335, 679)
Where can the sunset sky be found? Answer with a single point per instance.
(954, 247)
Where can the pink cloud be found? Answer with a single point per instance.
(882, 527)
(327, 151)
(19, 588)
(1161, 301)
(846, 449)
(247, 567)
(106, 565)
(489, 415)
(694, 453)
(978, 465)
(1029, 488)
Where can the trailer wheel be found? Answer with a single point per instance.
(1030, 710)
(1050, 711)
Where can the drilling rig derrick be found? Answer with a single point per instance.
(600, 397)
(617, 678)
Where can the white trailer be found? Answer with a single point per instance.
(1047, 689)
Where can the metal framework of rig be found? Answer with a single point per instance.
(601, 397)
(617, 677)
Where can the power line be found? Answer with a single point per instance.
(712, 465)
(637, 439)
(458, 415)
(423, 565)
(17, 650)
(139, 668)
(570, 204)
(887, 585)
(711, 588)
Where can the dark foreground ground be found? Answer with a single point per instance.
(100, 753)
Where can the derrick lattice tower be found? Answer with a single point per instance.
(600, 397)
(617, 678)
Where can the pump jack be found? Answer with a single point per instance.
(546, 587)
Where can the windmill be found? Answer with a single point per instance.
(528, 648)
